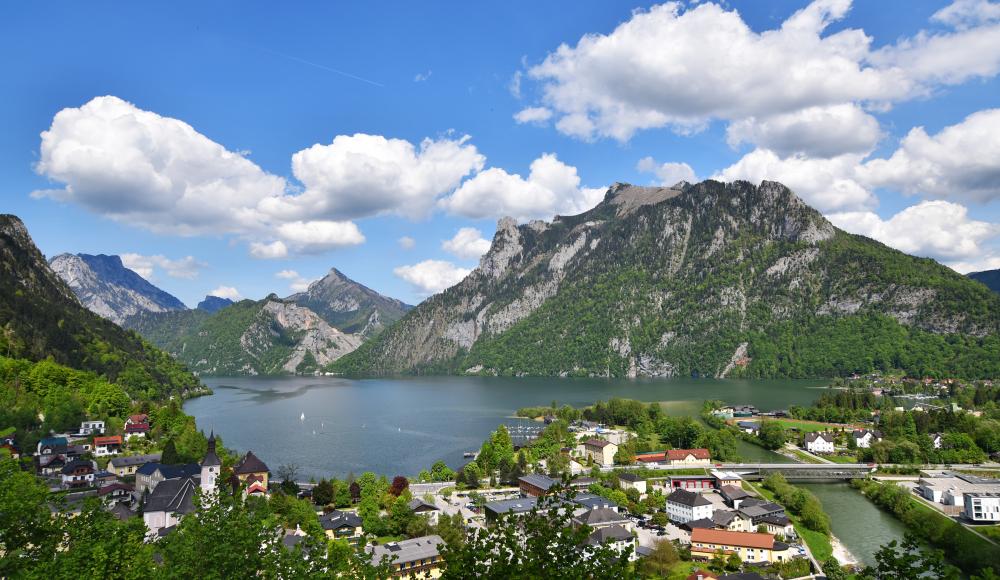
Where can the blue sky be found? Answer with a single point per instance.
(826, 101)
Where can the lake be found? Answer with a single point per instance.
(402, 425)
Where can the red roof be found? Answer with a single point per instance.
(679, 454)
(140, 418)
(112, 487)
(651, 457)
(112, 440)
(137, 427)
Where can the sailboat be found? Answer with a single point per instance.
(302, 417)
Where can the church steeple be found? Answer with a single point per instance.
(210, 467)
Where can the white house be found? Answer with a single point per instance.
(684, 506)
(863, 438)
(600, 451)
(92, 427)
(937, 439)
(104, 446)
(632, 481)
(982, 507)
(819, 443)
(168, 503)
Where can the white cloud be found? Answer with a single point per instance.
(226, 292)
(272, 251)
(421, 77)
(826, 184)
(366, 175)
(816, 131)
(406, 242)
(432, 276)
(964, 14)
(961, 161)
(683, 66)
(287, 275)
(300, 285)
(186, 267)
(552, 187)
(467, 243)
(669, 173)
(536, 115)
(514, 86)
(310, 237)
(938, 229)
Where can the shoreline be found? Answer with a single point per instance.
(841, 553)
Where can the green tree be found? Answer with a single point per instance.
(772, 435)
(661, 560)
(323, 493)
(169, 455)
(907, 560)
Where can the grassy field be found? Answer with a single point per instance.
(990, 531)
(842, 458)
(819, 544)
(804, 457)
(808, 426)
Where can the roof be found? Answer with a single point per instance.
(725, 474)
(731, 492)
(138, 418)
(538, 480)
(705, 523)
(742, 576)
(598, 516)
(860, 433)
(592, 500)
(76, 464)
(673, 454)
(651, 457)
(630, 477)
(600, 443)
(702, 575)
(514, 506)
(756, 511)
(815, 436)
(114, 487)
(723, 517)
(111, 440)
(121, 511)
(418, 505)
(688, 498)
(211, 458)
(129, 460)
(727, 538)
(136, 427)
(408, 550)
(609, 534)
(250, 464)
(53, 442)
(172, 495)
(337, 519)
(148, 468)
(776, 519)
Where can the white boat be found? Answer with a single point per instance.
(302, 417)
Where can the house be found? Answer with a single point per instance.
(651, 457)
(168, 503)
(982, 507)
(749, 427)
(733, 496)
(422, 508)
(129, 464)
(414, 558)
(689, 456)
(756, 510)
(102, 478)
(78, 473)
(730, 520)
(937, 439)
(251, 473)
(724, 478)
(863, 438)
(140, 419)
(600, 452)
(495, 509)
(104, 446)
(703, 575)
(751, 547)
(598, 518)
(136, 430)
(778, 524)
(695, 482)
(52, 445)
(340, 525)
(50, 464)
(591, 501)
(617, 537)
(819, 442)
(632, 481)
(115, 493)
(535, 484)
(150, 475)
(950, 488)
(684, 506)
(92, 427)
(7, 441)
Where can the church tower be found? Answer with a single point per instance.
(210, 468)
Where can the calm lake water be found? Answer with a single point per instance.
(403, 425)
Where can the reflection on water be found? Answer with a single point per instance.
(400, 426)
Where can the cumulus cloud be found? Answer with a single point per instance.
(366, 175)
(961, 161)
(287, 275)
(937, 229)
(466, 244)
(226, 292)
(536, 115)
(272, 251)
(826, 184)
(421, 77)
(406, 243)
(297, 282)
(432, 276)
(669, 173)
(964, 14)
(552, 188)
(683, 66)
(310, 237)
(146, 266)
(816, 131)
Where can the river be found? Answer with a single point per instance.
(402, 425)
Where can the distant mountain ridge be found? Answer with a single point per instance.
(106, 287)
(718, 279)
(213, 304)
(350, 306)
(989, 277)
(41, 317)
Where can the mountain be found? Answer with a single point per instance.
(269, 336)
(105, 286)
(713, 279)
(989, 277)
(213, 304)
(350, 306)
(41, 317)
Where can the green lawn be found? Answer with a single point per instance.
(807, 426)
(805, 457)
(842, 458)
(989, 531)
(682, 570)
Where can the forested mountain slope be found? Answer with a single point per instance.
(989, 277)
(708, 279)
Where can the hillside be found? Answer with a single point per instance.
(989, 277)
(350, 306)
(41, 317)
(708, 279)
(269, 336)
(213, 304)
(106, 287)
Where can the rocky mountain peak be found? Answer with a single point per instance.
(13, 227)
(348, 305)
